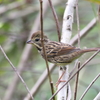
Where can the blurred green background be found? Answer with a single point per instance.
(16, 20)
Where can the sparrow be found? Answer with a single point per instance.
(57, 52)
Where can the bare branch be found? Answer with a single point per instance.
(78, 25)
(76, 82)
(65, 93)
(18, 74)
(90, 87)
(45, 56)
(73, 70)
(56, 20)
(84, 31)
(99, 13)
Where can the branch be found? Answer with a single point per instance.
(45, 56)
(14, 68)
(84, 31)
(90, 87)
(99, 13)
(65, 93)
(76, 82)
(78, 25)
(56, 20)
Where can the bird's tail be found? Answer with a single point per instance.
(91, 49)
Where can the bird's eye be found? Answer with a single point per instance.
(37, 39)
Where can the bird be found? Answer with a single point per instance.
(57, 52)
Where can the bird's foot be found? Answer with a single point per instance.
(58, 82)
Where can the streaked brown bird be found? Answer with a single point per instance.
(57, 52)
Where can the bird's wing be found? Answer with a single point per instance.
(59, 49)
(66, 50)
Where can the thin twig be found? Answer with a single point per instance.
(78, 25)
(45, 56)
(85, 84)
(76, 83)
(73, 70)
(89, 86)
(56, 20)
(14, 68)
(84, 31)
(87, 61)
(52, 88)
(99, 13)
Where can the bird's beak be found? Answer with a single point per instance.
(29, 42)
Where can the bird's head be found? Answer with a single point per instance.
(36, 39)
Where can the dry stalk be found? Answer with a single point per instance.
(76, 82)
(45, 56)
(18, 74)
(56, 20)
(90, 87)
(78, 25)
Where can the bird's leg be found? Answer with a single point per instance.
(59, 80)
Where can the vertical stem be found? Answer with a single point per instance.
(76, 83)
(45, 56)
(99, 13)
(78, 25)
(56, 20)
